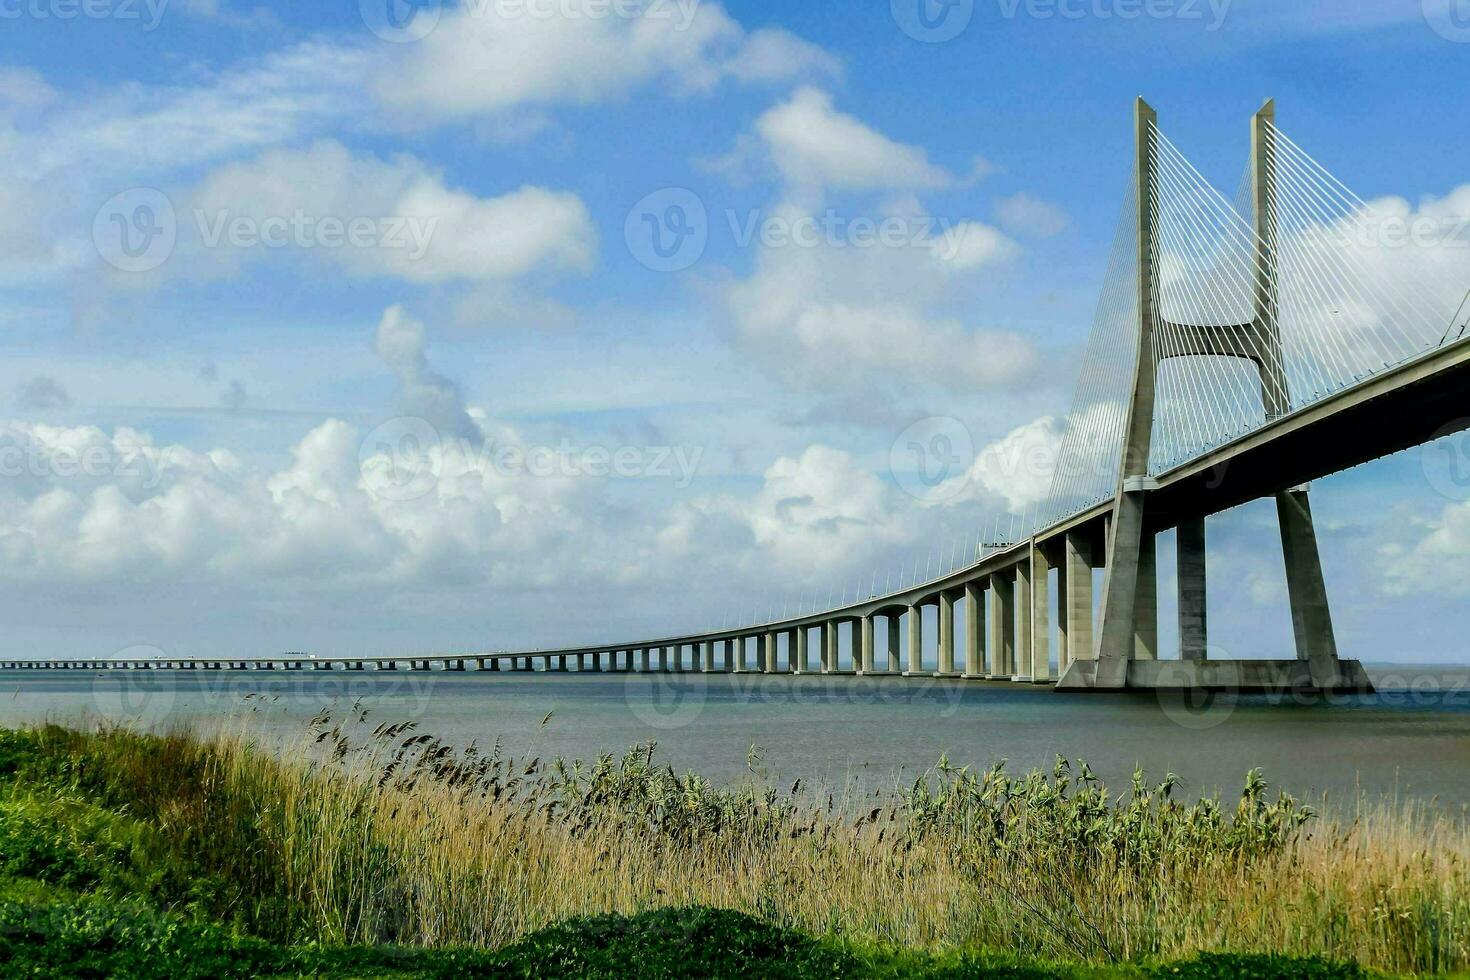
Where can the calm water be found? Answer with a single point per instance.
(1412, 739)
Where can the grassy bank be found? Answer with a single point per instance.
(394, 854)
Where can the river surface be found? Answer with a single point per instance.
(850, 735)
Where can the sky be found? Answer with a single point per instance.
(386, 328)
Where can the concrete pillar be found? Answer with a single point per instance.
(707, 656)
(643, 660)
(865, 645)
(561, 664)
(916, 641)
(801, 656)
(1311, 617)
(768, 653)
(737, 655)
(824, 647)
(1021, 663)
(1078, 597)
(1040, 614)
(1194, 637)
(1002, 627)
(1146, 601)
(895, 643)
(974, 629)
(945, 666)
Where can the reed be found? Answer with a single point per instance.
(392, 836)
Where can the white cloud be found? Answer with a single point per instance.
(426, 231)
(1022, 214)
(815, 146)
(24, 88)
(840, 315)
(1017, 468)
(477, 62)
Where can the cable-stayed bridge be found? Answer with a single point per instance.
(1242, 347)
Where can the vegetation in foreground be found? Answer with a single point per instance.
(182, 855)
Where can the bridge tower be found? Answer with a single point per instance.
(1126, 642)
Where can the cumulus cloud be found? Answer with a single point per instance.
(843, 315)
(477, 63)
(1023, 214)
(814, 145)
(41, 394)
(422, 392)
(413, 226)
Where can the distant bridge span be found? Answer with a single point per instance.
(1239, 352)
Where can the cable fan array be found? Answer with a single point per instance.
(1255, 314)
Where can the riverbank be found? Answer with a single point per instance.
(387, 853)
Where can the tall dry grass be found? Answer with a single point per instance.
(395, 837)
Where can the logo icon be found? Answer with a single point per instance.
(930, 458)
(667, 230)
(667, 703)
(400, 459)
(1450, 19)
(400, 21)
(1445, 461)
(932, 21)
(134, 697)
(136, 231)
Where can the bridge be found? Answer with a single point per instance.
(1241, 349)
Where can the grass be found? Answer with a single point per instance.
(391, 854)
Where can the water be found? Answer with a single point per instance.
(1411, 740)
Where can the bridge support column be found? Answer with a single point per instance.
(895, 643)
(1040, 615)
(1311, 617)
(707, 656)
(1023, 595)
(1194, 636)
(974, 630)
(1146, 601)
(800, 656)
(643, 660)
(1002, 628)
(944, 657)
(865, 644)
(916, 641)
(768, 653)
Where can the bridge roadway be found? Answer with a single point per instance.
(1006, 596)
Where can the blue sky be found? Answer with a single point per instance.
(207, 420)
